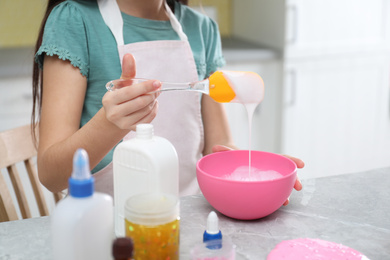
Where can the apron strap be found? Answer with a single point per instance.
(112, 16)
(175, 23)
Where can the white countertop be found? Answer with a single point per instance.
(350, 209)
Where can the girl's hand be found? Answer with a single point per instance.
(298, 185)
(131, 105)
(300, 164)
(221, 148)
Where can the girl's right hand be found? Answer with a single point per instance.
(128, 106)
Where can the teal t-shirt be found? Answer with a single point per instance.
(75, 31)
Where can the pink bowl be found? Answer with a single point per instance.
(245, 199)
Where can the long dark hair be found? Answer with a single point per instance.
(37, 74)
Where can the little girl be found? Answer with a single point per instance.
(83, 44)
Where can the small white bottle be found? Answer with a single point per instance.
(143, 164)
(82, 223)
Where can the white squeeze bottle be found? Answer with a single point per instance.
(143, 164)
(82, 223)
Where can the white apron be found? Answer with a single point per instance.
(179, 117)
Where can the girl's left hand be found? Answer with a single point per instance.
(300, 164)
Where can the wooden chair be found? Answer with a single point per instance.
(17, 146)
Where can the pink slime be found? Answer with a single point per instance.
(313, 249)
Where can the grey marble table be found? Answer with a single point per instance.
(351, 209)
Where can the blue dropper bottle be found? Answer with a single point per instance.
(212, 232)
(82, 223)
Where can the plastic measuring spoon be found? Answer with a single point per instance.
(222, 86)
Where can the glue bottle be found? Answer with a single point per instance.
(213, 246)
(82, 223)
(212, 232)
(143, 164)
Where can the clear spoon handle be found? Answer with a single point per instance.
(201, 86)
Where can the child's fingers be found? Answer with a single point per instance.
(131, 92)
(300, 164)
(128, 114)
(128, 67)
(298, 184)
(220, 148)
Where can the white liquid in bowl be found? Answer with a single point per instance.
(241, 174)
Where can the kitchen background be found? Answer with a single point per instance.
(325, 64)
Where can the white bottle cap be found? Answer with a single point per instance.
(152, 209)
(212, 223)
(81, 169)
(144, 131)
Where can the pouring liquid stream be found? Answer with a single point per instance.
(250, 109)
(249, 91)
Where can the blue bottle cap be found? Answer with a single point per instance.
(212, 231)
